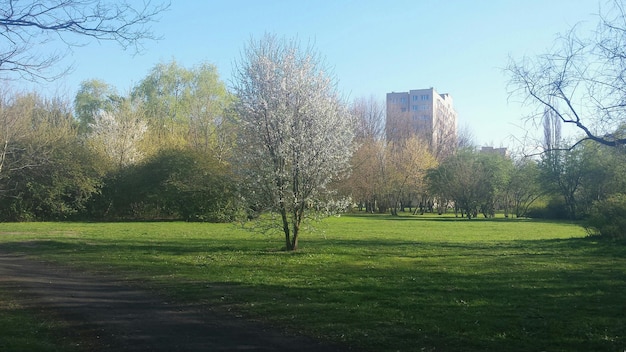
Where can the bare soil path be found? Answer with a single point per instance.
(111, 315)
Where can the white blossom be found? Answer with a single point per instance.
(296, 134)
(118, 136)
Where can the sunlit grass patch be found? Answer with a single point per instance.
(375, 282)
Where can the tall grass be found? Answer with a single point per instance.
(374, 282)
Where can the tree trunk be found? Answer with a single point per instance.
(296, 230)
(283, 215)
(294, 241)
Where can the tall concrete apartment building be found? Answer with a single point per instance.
(426, 113)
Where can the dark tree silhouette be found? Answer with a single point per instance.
(582, 80)
(27, 25)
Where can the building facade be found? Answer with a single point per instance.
(425, 113)
(504, 152)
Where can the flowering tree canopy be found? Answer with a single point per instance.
(295, 134)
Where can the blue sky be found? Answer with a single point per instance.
(458, 47)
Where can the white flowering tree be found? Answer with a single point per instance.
(295, 134)
(117, 134)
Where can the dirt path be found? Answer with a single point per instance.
(110, 315)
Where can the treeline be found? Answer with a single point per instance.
(581, 183)
(558, 184)
(160, 151)
(164, 150)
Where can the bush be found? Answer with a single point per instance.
(172, 185)
(57, 188)
(553, 208)
(608, 217)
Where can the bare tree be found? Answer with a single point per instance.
(27, 25)
(370, 118)
(582, 81)
(295, 134)
(444, 140)
(465, 138)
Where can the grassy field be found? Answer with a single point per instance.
(25, 330)
(375, 282)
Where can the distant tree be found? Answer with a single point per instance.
(165, 94)
(295, 132)
(523, 187)
(408, 161)
(369, 115)
(94, 97)
(465, 139)
(590, 173)
(187, 107)
(551, 130)
(117, 134)
(445, 138)
(472, 181)
(581, 81)
(495, 175)
(211, 123)
(365, 184)
(27, 25)
(563, 173)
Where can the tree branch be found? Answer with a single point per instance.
(24, 27)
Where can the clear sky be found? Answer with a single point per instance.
(458, 47)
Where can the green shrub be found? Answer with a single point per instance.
(172, 185)
(608, 217)
(552, 208)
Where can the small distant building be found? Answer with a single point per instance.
(426, 113)
(491, 150)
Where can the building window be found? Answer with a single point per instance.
(415, 98)
(425, 97)
(423, 107)
(403, 100)
(414, 107)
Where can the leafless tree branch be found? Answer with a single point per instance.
(26, 25)
(582, 80)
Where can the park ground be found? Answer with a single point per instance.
(411, 283)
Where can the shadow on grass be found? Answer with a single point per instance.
(556, 294)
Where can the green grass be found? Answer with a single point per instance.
(25, 330)
(374, 282)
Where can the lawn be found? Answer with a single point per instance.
(413, 283)
(22, 329)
